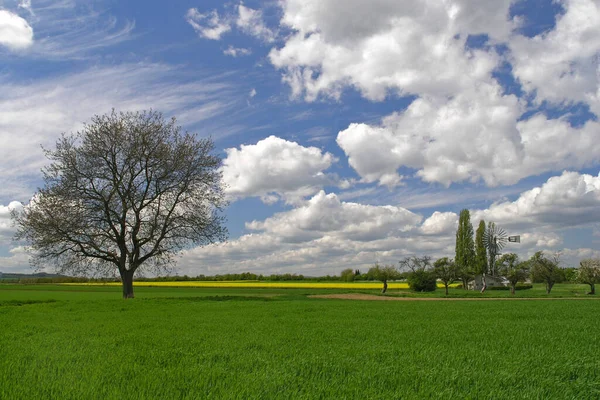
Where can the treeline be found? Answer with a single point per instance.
(244, 276)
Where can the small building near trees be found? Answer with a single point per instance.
(490, 280)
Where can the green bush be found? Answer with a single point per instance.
(421, 281)
(518, 287)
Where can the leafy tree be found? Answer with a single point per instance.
(545, 269)
(126, 192)
(481, 264)
(347, 275)
(384, 274)
(446, 271)
(569, 274)
(512, 269)
(589, 273)
(420, 277)
(465, 248)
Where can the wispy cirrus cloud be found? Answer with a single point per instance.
(34, 114)
(61, 29)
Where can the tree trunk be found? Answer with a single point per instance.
(384, 287)
(484, 286)
(512, 289)
(592, 288)
(127, 280)
(465, 283)
(446, 286)
(549, 287)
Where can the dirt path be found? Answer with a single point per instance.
(372, 297)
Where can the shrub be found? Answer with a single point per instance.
(421, 281)
(518, 287)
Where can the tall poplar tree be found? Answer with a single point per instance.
(481, 263)
(465, 248)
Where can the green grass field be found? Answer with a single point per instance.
(86, 343)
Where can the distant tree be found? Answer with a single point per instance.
(569, 274)
(384, 274)
(481, 264)
(465, 248)
(446, 271)
(513, 270)
(545, 269)
(347, 275)
(589, 273)
(126, 192)
(420, 277)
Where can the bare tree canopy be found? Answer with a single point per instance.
(128, 190)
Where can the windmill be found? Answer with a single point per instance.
(494, 240)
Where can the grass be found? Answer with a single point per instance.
(261, 285)
(277, 343)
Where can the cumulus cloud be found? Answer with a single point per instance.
(5, 221)
(236, 51)
(208, 25)
(326, 214)
(563, 64)
(17, 261)
(326, 234)
(474, 136)
(274, 169)
(15, 31)
(211, 25)
(408, 47)
(440, 223)
(321, 235)
(569, 200)
(250, 21)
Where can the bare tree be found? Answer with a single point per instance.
(589, 273)
(128, 190)
(414, 263)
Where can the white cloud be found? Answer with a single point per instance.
(563, 64)
(538, 241)
(26, 5)
(250, 21)
(236, 51)
(470, 137)
(325, 234)
(569, 200)
(34, 114)
(473, 136)
(440, 223)
(208, 25)
(15, 32)
(17, 262)
(326, 214)
(410, 47)
(65, 30)
(275, 168)
(5, 221)
(322, 235)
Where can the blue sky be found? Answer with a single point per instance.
(352, 132)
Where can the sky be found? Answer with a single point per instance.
(352, 132)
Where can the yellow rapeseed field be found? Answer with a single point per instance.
(265, 285)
